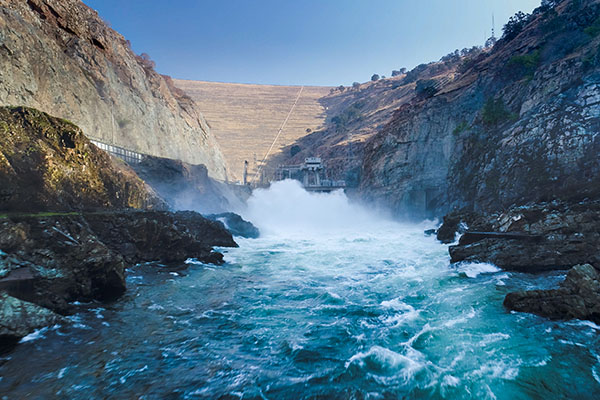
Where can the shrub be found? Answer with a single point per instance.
(426, 87)
(356, 85)
(413, 74)
(341, 88)
(400, 71)
(594, 29)
(495, 112)
(375, 77)
(146, 61)
(350, 114)
(460, 128)
(524, 65)
(515, 25)
(295, 149)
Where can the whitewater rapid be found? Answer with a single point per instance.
(333, 301)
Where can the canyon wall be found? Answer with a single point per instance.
(60, 57)
(518, 123)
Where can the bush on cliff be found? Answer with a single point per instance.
(523, 66)
(495, 112)
(515, 25)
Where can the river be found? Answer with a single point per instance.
(333, 301)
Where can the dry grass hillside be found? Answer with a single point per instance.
(246, 118)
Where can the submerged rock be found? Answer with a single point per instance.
(453, 223)
(236, 225)
(577, 297)
(19, 318)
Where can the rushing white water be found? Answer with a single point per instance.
(333, 301)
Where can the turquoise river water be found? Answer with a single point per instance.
(331, 302)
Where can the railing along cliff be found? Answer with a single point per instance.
(129, 156)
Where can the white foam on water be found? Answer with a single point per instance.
(35, 335)
(473, 270)
(387, 359)
(493, 338)
(498, 369)
(585, 323)
(285, 209)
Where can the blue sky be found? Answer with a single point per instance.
(302, 42)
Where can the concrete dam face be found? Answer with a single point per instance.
(246, 118)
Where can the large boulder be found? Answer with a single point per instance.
(52, 260)
(577, 297)
(161, 236)
(19, 318)
(236, 225)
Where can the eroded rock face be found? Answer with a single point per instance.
(553, 236)
(161, 236)
(60, 57)
(577, 297)
(46, 163)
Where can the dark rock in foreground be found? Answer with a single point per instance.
(52, 260)
(236, 225)
(577, 297)
(534, 238)
(19, 318)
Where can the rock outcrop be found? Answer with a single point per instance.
(60, 57)
(70, 252)
(517, 123)
(544, 237)
(47, 163)
(577, 297)
(537, 238)
(52, 260)
(160, 236)
(236, 225)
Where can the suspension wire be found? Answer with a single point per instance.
(260, 167)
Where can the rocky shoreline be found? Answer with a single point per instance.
(48, 261)
(537, 238)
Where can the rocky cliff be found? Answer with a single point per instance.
(355, 114)
(60, 57)
(516, 124)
